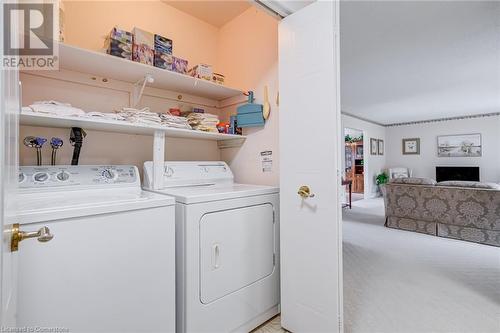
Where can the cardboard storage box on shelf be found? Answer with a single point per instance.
(180, 65)
(143, 37)
(163, 44)
(218, 78)
(143, 54)
(202, 71)
(119, 43)
(163, 60)
(121, 35)
(118, 49)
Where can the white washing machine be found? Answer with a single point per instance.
(110, 266)
(227, 242)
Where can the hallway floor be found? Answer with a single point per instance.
(400, 281)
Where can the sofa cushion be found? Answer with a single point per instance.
(463, 183)
(413, 181)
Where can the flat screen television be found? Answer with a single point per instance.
(444, 173)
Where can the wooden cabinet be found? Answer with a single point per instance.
(354, 166)
(358, 183)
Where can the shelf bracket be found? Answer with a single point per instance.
(158, 159)
(138, 89)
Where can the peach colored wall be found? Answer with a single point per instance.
(248, 56)
(88, 22)
(248, 48)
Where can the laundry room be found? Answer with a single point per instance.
(141, 179)
(155, 105)
(236, 39)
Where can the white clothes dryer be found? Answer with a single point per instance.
(227, 243)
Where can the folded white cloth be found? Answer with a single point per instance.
(143, 116)
(56, 108)
(26, 109)
(170, 120)
(203, 121)
(104, 115)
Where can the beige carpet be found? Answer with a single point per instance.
(399, 281)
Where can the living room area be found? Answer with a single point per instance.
(425, 256)
(421, 82)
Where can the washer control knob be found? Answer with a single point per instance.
(41, 176)
(108, 174)
(21, 177)
(62, 176)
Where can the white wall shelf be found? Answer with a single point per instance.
(120, 126)
(106, 66)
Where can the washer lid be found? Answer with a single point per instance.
(205, 193)
(45, 206)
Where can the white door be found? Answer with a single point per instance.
(311, 246)
(9, 110)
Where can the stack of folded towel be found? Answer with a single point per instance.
(55, 108)
(104, 115)
(203, 122)
(199, 121)
(142, 116)
(170, 120)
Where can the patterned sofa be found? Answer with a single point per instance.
(462, 210)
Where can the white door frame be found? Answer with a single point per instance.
(9, 128)
(9, 155)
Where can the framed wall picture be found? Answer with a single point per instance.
(462, 145)
(380, 144)
(373, 146)
(411, 146)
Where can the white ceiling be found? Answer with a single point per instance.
(407, 61)
(216, 13)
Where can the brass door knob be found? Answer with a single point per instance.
(305, 192)
(43, 235)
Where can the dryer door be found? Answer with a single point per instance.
(236, 249)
